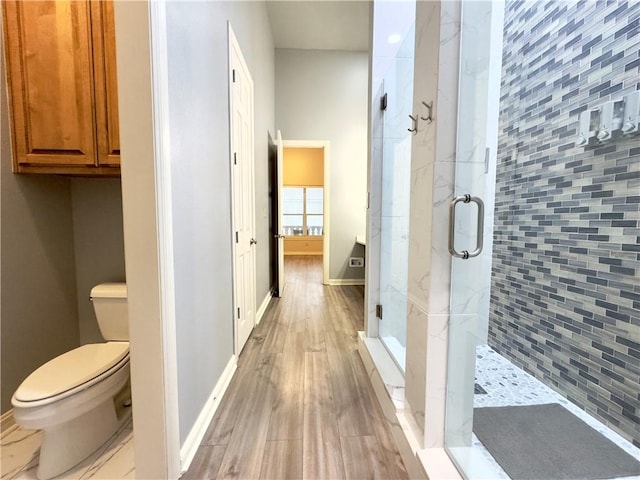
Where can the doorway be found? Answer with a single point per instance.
(303, 203)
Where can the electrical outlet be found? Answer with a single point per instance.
(356, 262)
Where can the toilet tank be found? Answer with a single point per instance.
(110, 304)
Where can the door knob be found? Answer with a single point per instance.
(253, 241)
(278, 236)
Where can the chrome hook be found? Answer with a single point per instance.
(414, 130)
(429, 106)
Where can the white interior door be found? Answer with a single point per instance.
(279, 167)
(242, 172)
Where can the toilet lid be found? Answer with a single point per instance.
(71, 370)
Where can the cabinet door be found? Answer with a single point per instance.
(50, 73)
(106, 83)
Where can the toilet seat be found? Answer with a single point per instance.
(71, 373)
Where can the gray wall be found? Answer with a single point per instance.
(98, 244)
(39, 312)
(565, 300)
(199, 129)
(323, 95)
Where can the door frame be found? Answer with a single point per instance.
(326, 237)
(278, 205)
(148, 233)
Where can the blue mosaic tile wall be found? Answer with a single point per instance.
(565, 301)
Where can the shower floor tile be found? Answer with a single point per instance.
(478, 390)
(506, 384)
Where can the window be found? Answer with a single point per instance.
(302, 210)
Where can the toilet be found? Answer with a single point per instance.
(71, 398)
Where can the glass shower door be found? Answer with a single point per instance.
(396, 176)
(471, 252)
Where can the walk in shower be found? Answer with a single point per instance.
(550, 311)
(530, 171)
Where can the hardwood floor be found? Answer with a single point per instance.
(300, 404)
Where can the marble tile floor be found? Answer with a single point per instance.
(506, 384)
(19, 450)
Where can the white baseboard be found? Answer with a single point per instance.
(345, 281)
(192, 442)
(263, 307)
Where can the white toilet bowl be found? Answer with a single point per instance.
(70, 398)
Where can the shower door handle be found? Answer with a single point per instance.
(452, 226)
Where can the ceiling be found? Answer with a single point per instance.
(320, 24)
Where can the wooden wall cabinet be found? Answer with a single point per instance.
(61, 73)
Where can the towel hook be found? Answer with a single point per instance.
(413, 130)
(429, 106)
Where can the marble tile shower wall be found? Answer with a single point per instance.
(565, 300)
